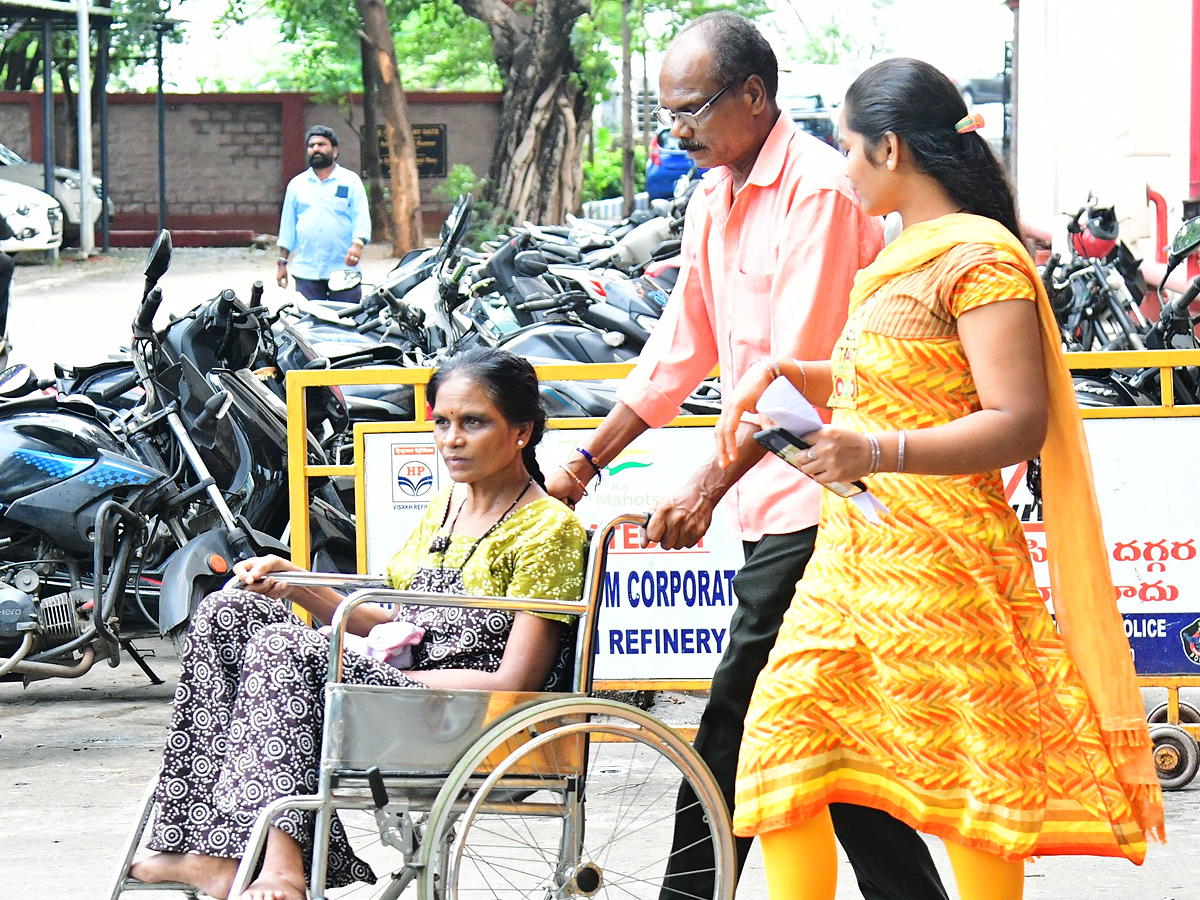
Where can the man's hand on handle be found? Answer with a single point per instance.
(679, 520)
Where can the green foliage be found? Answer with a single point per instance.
(677, 13)
(837, 40)
(602, 174)
(438, 46)
(463, 180)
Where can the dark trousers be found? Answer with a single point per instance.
(890, 860)
(6, 274)
(313, 289)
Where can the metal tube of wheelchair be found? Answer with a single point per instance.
(594, 580)
(258, 836)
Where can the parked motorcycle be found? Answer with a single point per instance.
(114, 522)
(1175, 329)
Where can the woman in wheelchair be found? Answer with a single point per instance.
(247, 719)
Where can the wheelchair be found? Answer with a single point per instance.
(486, 794)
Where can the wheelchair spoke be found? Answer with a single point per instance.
(615, 844)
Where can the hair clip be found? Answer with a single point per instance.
(966, 124)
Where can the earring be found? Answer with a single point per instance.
(520, 443)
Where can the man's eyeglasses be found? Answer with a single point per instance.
(668, 117)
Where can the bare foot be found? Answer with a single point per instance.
(211, 874)
(275, 886)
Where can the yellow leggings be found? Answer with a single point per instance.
(801, 864)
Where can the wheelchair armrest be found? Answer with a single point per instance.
(373, 589)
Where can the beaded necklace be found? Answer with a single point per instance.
(441, 542)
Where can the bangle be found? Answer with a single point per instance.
(283, 260)
(803, 376)
(575, 478)
(592, 461)
(900, 438)
(773, 367)
(876, 454)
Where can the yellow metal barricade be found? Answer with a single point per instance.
(300, 470)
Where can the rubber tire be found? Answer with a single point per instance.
(1176, 756)
(1188, 714)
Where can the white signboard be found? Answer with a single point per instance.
(1151, 528)
(665, 614)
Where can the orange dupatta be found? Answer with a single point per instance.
(1085, 606)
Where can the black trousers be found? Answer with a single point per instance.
(890, 860)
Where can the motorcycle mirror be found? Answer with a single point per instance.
(530, 262)
(344, 279)
(1184, 244)
(454, 229)
(17, 381)
(158, 260)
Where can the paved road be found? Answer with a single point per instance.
(76, 754)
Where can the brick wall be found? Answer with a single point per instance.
(229, 156)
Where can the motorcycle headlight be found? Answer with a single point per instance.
(647, 322)
(70, 182)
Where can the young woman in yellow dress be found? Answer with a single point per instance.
(918, 670)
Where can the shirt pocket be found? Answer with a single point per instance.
(749, 317)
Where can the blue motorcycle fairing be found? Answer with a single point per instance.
(64, 503)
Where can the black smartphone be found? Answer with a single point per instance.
(791, 449)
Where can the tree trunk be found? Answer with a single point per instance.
(536, 172)
(627, 175)
(406, 192)
(372, 170)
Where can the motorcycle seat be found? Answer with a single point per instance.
(76, 403)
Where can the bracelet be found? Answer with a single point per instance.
(575, 478)
(876, 454)
(803, 376)
(900, 452)
(773, 367)
(283, 260)
(592, 461)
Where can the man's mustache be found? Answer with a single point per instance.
(689, 146)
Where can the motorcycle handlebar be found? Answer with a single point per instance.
(1180, 304)
(256, 292)
(351, 311)
(537, 305)
(369, 325)
(225, 302)
(143, 323)
(117, 388)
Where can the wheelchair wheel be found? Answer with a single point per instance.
(572, 798)
(1176, 756)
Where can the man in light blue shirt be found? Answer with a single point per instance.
(325, 222)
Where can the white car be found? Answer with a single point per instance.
(13, 168)
(34, 216)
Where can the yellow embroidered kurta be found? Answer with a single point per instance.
(918, 670)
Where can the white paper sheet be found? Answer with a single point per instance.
(787, 408)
